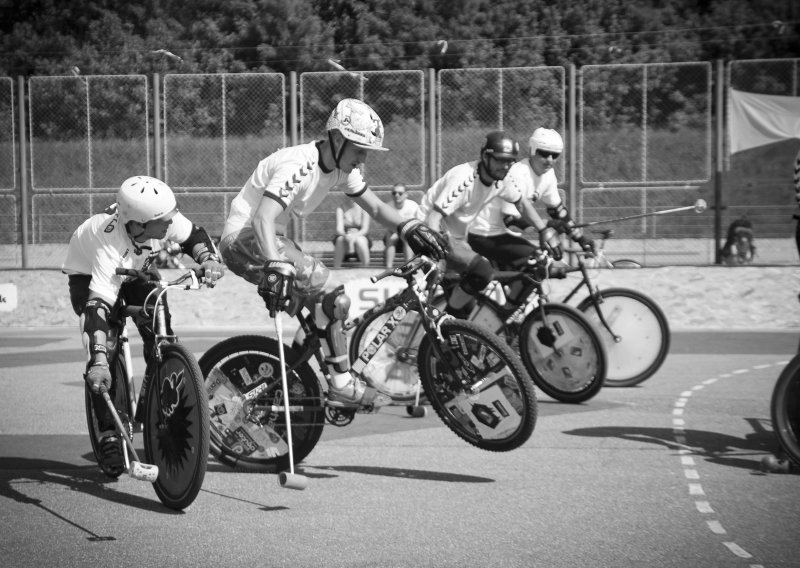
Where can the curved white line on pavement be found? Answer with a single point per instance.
(690, 472)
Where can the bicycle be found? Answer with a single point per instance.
(631, 325)
(176, 419)
(560, 348)
(476, 384)
(785, 413)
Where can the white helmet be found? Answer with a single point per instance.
(358, 123)
(143, 199)
(546, 139)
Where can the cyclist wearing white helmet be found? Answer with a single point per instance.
(456, 199)
(128, 234)
(293, 182)
(536, 179)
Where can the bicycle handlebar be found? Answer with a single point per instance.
(405, 270)
(195, 274)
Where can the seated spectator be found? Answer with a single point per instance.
(408, 210)
(351, 240)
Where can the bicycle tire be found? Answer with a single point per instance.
(229, 368)
(785, 409)
(573, 367)
(176, 424)
(643, 329)
(121, 397)
(392, 370)
(504, 409)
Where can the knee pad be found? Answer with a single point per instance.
(478, 274)
(336, 304)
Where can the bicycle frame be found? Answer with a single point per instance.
(594, 294)
(159, 320)
(415, 297)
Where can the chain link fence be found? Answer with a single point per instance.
(518, 100)
(644, 144)
(9, 231)
(87, 134)
(216, 130)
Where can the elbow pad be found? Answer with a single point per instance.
(95, 326)
(562, 221)
(200, 246)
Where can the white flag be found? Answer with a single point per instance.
(755, 120)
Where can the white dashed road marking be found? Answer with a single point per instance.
(690, 471)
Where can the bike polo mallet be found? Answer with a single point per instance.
(136, 469)
(699, 206)
(289, 480)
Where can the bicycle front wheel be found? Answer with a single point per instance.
(563, 353)
(251, 433)
(481, 392)
(785, 409)
(176, 427)
(392, 370)
(641, 330)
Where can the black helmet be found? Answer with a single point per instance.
(501, 146)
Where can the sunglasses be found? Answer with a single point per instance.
(545, 154)
(398, 193)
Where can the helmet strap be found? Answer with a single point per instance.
(131, 235)
(483, 170)
(337, 154)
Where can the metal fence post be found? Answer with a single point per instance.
(23, 171)
(294, 140)
(572, 121)
(159, 172)
(719, 158)
(431, 127)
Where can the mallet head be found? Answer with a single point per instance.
(700, 205)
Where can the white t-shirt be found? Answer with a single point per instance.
(409, 210)
(101, 245)
(459, 195)
(544, 188)
(292, 177)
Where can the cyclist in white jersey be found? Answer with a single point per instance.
(490, 232)
(293, 182)
(128, 234)
(456, 199)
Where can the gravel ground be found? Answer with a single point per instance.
(730, 298)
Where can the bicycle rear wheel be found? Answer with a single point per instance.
(244, 436)
(643, 331)
(785, 409)
(563, 353)
(176, 427)
(482, 392)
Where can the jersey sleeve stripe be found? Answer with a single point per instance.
(276, 198)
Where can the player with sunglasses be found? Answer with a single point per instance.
(454, 201)
(535, 177)
(408, 209)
